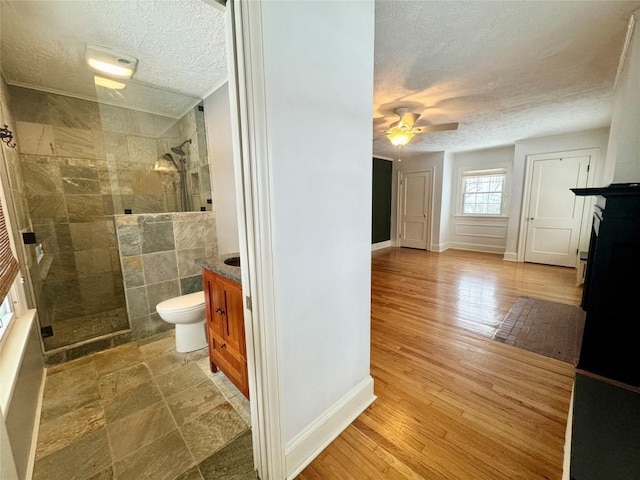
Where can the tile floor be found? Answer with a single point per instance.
(143, 411)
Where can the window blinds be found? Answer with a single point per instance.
(9, 267)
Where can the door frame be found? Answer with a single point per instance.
(401, 174)
(587, 208)
(253, 196)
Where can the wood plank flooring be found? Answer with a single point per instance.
(452, 403)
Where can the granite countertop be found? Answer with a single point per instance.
(216, 264)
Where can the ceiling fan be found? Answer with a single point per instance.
(402, 131)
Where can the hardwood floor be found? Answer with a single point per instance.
(452, 403)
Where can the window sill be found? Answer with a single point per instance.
(11, 351)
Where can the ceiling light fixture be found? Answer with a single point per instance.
(399, 135)
(112, 63)
(108, 83)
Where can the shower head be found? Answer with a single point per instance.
(178, 150)
(166, 164)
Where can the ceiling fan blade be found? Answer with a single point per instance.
(438, 128)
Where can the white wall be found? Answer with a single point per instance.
(597, 138)
(467, 232)
(318, 92)
(448, 206)
(217, 117)
(417, 164)
(623, 155)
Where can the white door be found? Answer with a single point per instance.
(415, 202)
(555, 215)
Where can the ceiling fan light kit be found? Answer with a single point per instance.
(399, 137)
(402, 131)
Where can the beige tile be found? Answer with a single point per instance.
(80, 460)
(40, 178)
(132, 271)
(138, 430)
(117, 358)
(91, 262)
(106, 474)
(163, 459)
(35, 138)
(84, 208)
(131, 401)
(162, 346)
(142, 150)
(191, 474)
(210, 432)
(68, 366)
(194, 402)
(70, 389)
(168, 363)
(187, 262)
(116, 383)
(113, 119)
(189, 234)
(74, 142)
(241, 404)
(226, 386)
(160, 267)
(234, 461)
(180, 379)
(61, 431)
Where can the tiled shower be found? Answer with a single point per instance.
(86, 175)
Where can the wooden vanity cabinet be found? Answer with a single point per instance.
(225, 328)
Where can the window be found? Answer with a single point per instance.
(483, 192)
(6, 314)
(8, 272)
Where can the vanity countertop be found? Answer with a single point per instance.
(216, 264)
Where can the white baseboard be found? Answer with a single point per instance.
(439, 247)
(510, 256)
(380, 245)
(476, 247)
(316, 437)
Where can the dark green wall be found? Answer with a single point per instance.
(381, 201)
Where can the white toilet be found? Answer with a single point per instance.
(187, 312)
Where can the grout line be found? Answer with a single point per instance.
(195, 463)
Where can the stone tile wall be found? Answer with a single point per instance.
(158, 254)
(191, 125)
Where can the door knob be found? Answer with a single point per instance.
(217, 310)
(531, 219)
(221, 312)
(223, 345)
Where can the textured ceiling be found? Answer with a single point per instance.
(180, 45)
(504, 70)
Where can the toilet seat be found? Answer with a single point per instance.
(183, 303)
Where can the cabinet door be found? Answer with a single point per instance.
(214, 301)
(233, 331)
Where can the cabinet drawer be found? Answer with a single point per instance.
(230, 361)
